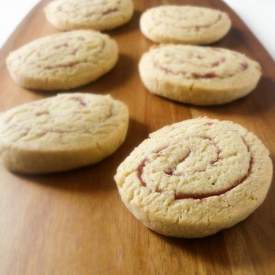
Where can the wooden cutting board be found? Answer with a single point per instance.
(75, 224)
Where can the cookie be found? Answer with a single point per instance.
(195, 178)
(198, 75)
(63, 61)
(184, 24)
(62, 132)
(89, 14)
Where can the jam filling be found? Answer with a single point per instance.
(41, 113)
(73, 63)
(65, 65)
(112, 10)
(196, 27)
(206, 75)
(171, 172)
(79, 100)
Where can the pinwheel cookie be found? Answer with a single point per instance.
(89, 14)
(195, 178)
(198, 75)
(184, 24)
(61, 133)
(63, 61)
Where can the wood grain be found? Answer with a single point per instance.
(74, 223)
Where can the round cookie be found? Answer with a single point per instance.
(62, 133)
(195, 178)
(184, 24)
(63, 61)
(89, 14)
(198, 75)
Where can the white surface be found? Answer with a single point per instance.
(12, 13)
(258, 15)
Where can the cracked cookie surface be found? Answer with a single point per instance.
(196, 177)
(198, 75)
(184, 24)
(63, 61)
(89, 14)
(62, 132)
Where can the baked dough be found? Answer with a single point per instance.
(63, 61)
(195, 178)
(89, 14)
(62, 132)
(198, 75)
(184, 24)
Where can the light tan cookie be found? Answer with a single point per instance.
(198, 75)
(195, 178)
(63, 61)
(184, 24)
(62, 133)
(89, 14)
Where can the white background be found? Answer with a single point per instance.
(259, 15)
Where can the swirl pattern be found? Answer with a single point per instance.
(62, 132)
(196, 62)
(192, 164)
(186, 17)
(179, 168)
(87, 114)
(198, 75)
(63, 61)
(92, 14)
(184, 24)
